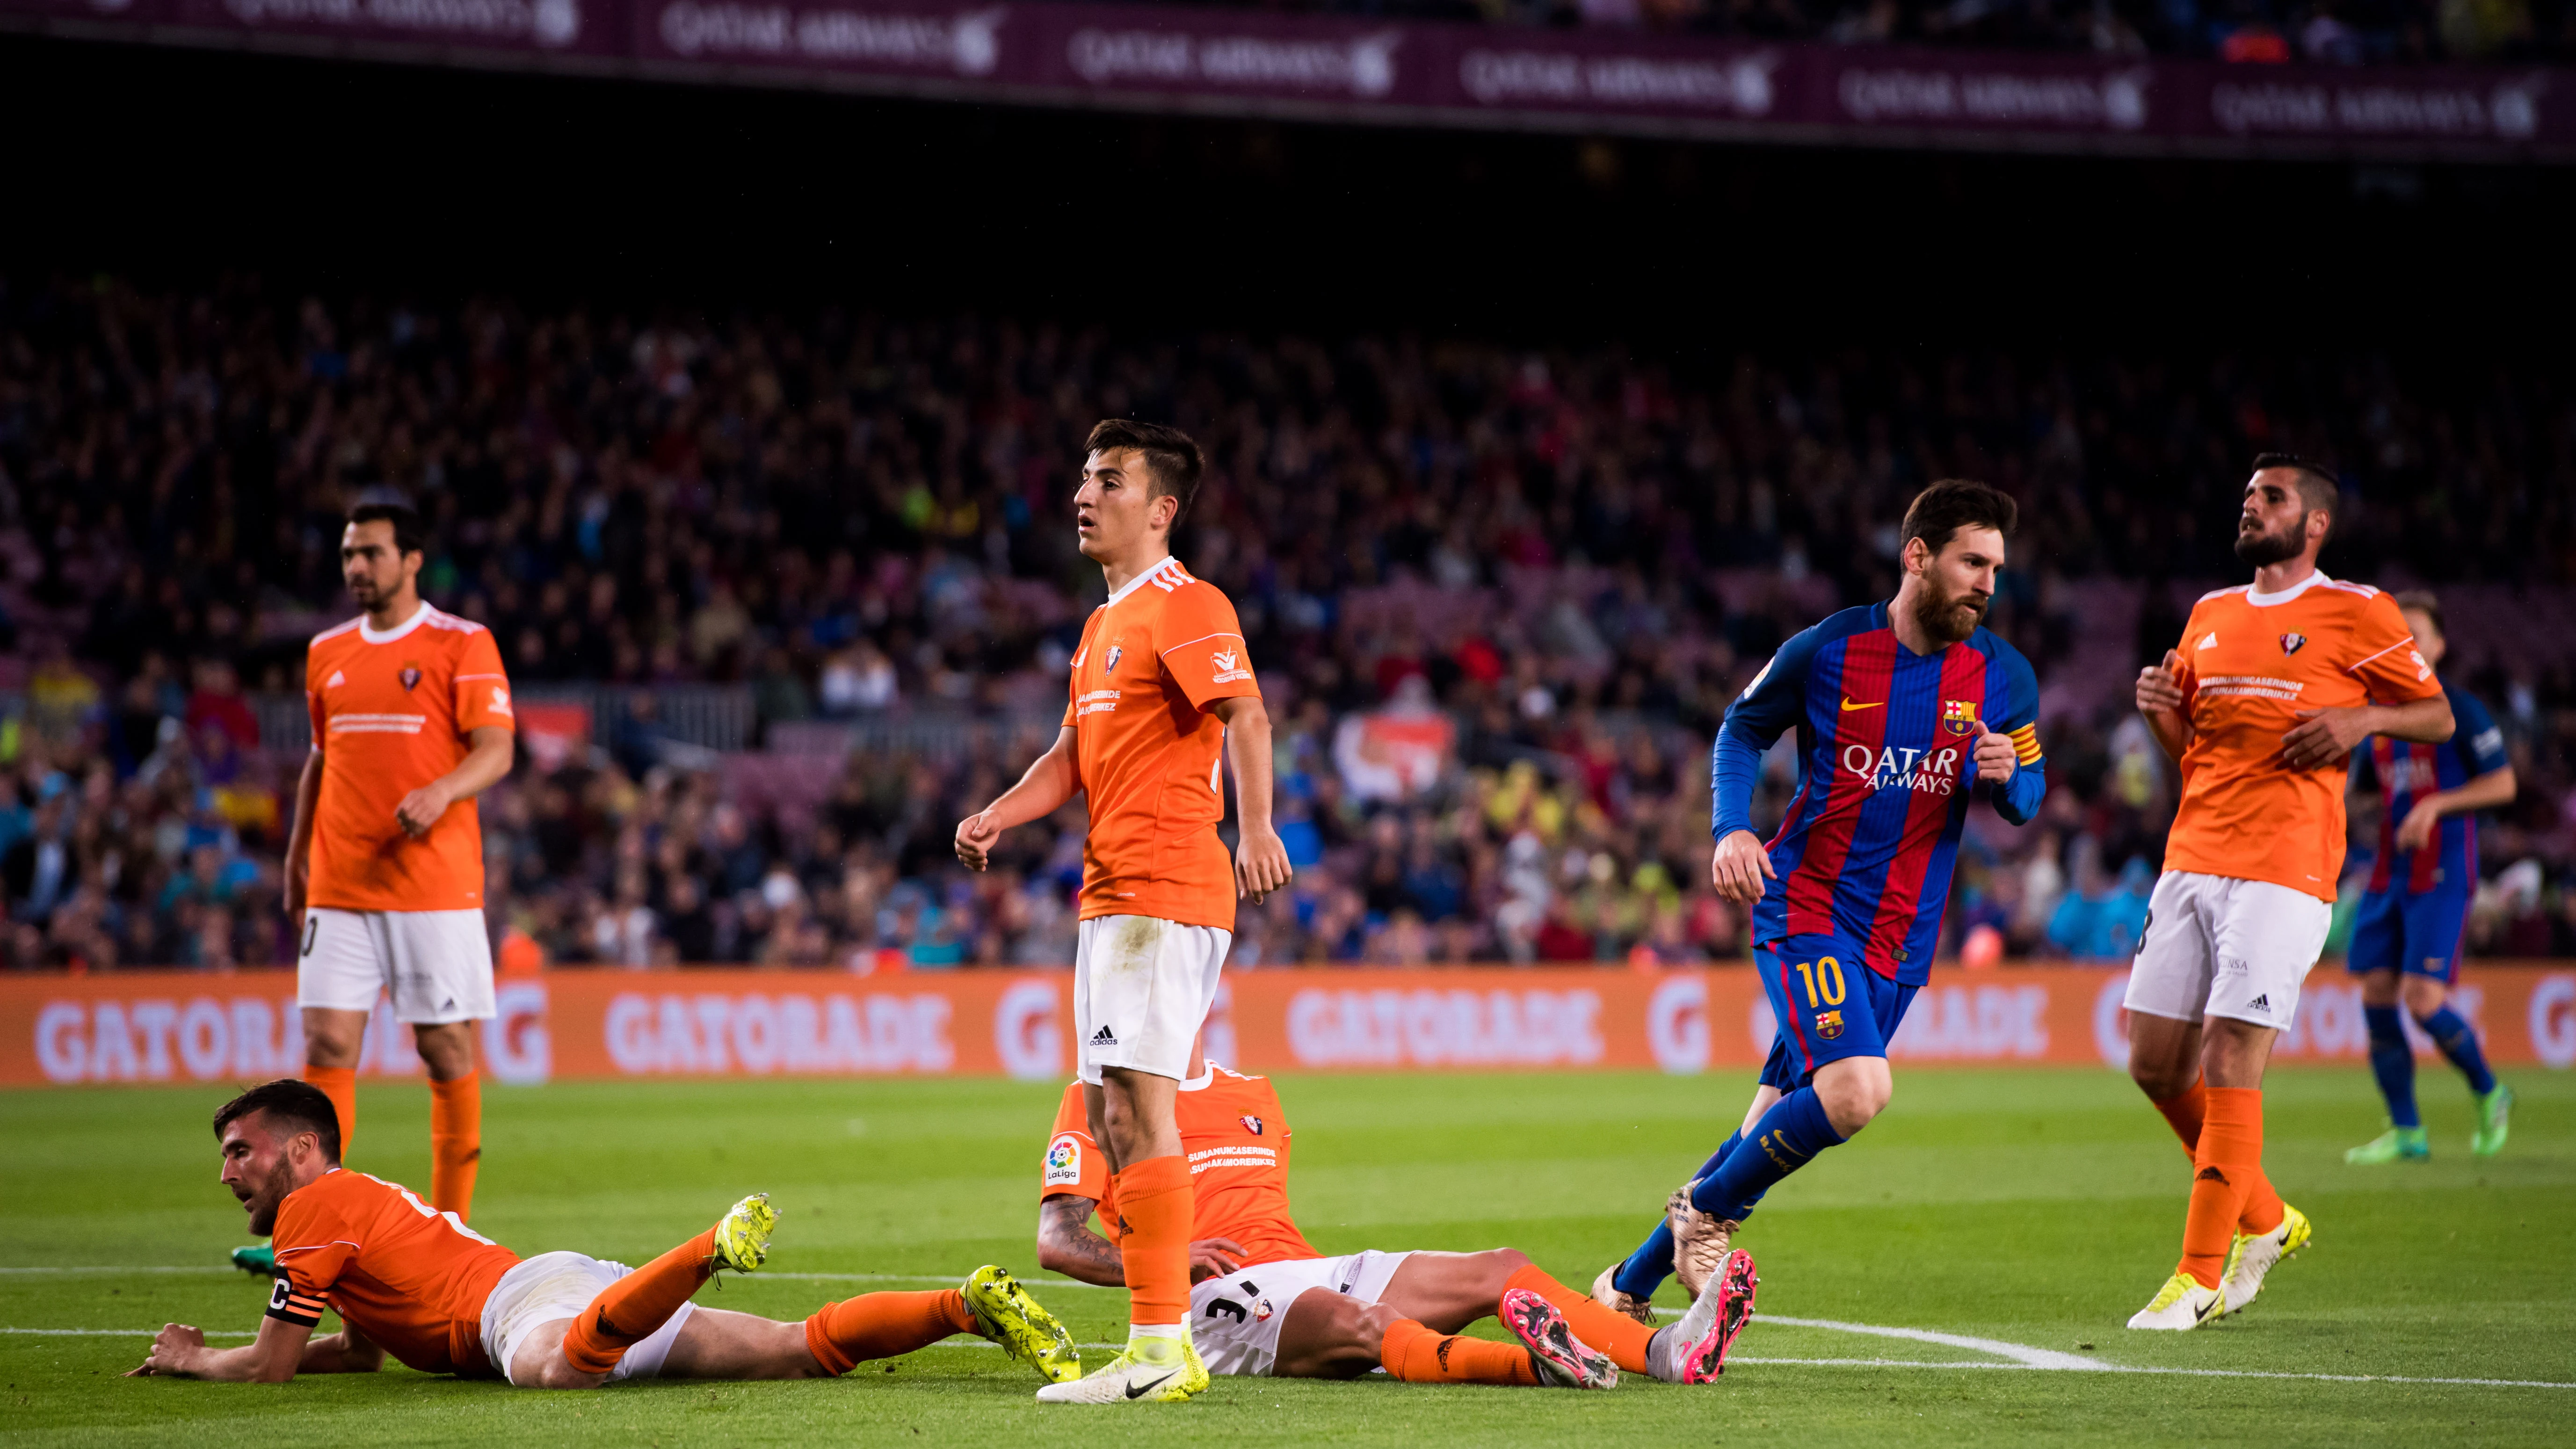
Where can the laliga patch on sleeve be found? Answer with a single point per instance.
(1064, 1161)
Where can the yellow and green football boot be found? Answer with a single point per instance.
(1006, 1314)
(742, 1239)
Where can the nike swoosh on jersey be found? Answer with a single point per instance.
(1848, 706)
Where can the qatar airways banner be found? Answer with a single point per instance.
(183, 1027)
(1248, 61)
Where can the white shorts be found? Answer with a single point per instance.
(1235, 1320)
(551, 1287)
(1141, 987)
(437, 965)
(2218, 946)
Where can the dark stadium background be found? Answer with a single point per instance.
(2250, 301)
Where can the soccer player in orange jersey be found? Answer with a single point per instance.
(1160, 685)
(417, 1284)
(2271, 687)
(384, 870)
(1266, 1302)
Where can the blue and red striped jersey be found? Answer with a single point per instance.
(1886, 768)
(2405, 773)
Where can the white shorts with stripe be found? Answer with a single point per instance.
(2219, 946)
(1141, 987)
(436, 965)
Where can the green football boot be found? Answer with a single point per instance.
(2397, 1144)
(2495, 1108)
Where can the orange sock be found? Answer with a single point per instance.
(1416, 1355)
(1623, 1338)
(882, 1325)
(340, 1084)
(2183, 1113)
(455, 1143)
(2229, 1159)
(1154, 1198)
(627, 1311)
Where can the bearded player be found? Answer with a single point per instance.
(2272, 685)
(384, 865)
(1905, 711)
(1160, 686)
(1267, 1303)
(417, 1284)
(2406, 939)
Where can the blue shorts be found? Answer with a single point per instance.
(1829, 1006)
(2416, 935)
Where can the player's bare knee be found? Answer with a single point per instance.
(2424, 996)
(446, 1049)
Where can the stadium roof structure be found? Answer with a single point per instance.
(1205, 61)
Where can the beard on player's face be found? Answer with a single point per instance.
(262, 1204)
(1946, 615)
(2262, 547)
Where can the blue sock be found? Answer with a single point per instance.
(2393, 1062)
(1792, 1132)
(2459, 1041)
(1648, 1267)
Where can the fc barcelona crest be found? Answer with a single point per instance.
(2292, 643)
(410, 675)
(1829, 1024)
(1959, 716)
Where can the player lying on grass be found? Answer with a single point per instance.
(1264, 1301)
(415, 1283)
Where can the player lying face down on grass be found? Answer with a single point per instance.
(417, 1284)
(1905, 712)
(1264, 1301)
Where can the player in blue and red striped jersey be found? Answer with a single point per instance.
(1904, 711)
(2406, 941)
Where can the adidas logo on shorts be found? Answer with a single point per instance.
(2260, 1003)
(1105, 1037)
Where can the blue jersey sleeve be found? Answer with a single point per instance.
(2018, 799)
(2475, 736)
(1772, 705)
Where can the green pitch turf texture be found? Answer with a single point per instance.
(2032, 1208)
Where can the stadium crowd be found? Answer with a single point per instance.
(2326, 32)
(1498, 599)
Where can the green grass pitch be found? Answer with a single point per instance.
(2036, 1208)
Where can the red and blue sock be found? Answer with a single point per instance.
(2392, 1061)
(1786, 1139)
(2459, 1041)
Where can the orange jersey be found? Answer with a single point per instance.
(1152, 660)
(2250, 663)
(391, 713)
(408, 1277)
(1236, 1139)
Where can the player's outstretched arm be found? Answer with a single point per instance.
(1067, 1245)
(1261, 859)
(2325, 736)
(1052, 779)
(488, 756)
(180, 1352)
